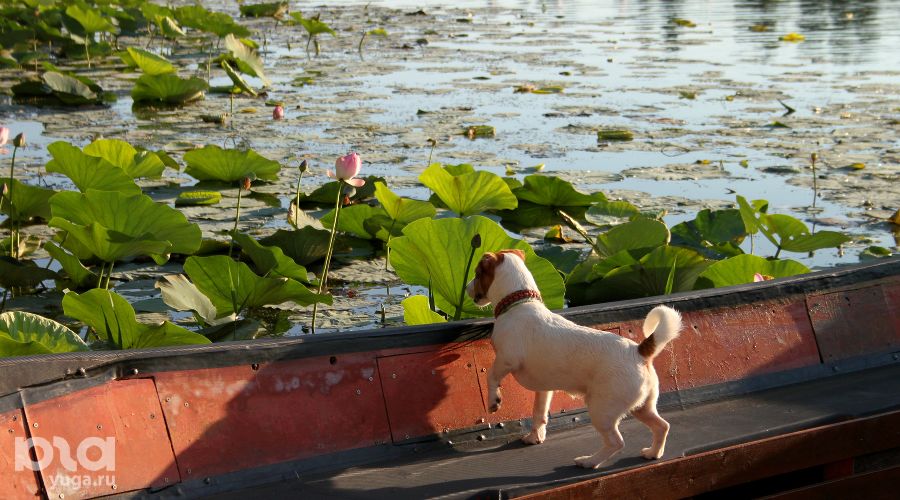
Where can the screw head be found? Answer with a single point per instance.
(358, 392)
(501, 425)
(34, 425)
(393, 375)
(99, 426)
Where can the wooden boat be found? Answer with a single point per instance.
(788, 387)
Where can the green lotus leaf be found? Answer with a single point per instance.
(217, 23)
(552, 191)
(665, 270)
(25, 327)
(353, 220)
(91, 84)
(638, 236)
(237, 79)
(123, 155)
(271, 260)
(113, 319)
(417, 312)
(233, 287)
(22, 273)
(169, 27)
(402, 210)
(716, 234)
(79, 276)
(434, 252)
(742, 268)
(88, 172)
(197, 198)
(326, 193)
(229, 165)
(313, 26)
(10, 348)
(469, 193)
(305, 245)
(27, 201)
(269, 9)
(147, 62)
(794, 236)
(115, 226)
(182, 295)
(68, 90)
(91, 20)
(247, 59)
(611, 213)
(167, 89)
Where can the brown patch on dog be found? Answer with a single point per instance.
(514, 251)
(647, 348)
(484, 273)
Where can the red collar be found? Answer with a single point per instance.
(515, 298)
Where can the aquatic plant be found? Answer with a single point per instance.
(212, 163)
(89, 22)
(467, 192)
(167, 88)
(23, 333)
(87, 171)
(313, 27)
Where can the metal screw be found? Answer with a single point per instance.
(836, 368)
(450, 443)
(35, 425)
(165, 480)
(10, 431)
(483, 370)
(82, 372)
(15, 417)
(114, 486)
(407, 436)
(189, 470)
(168, 398)
(575, 419)
(481, 420)
(501, 425)
(433, 372)
(895, 356)
(186, 404)
(371, 379)
(446, 430)
(393, 375)
(152, 415)
(358, 392)
(134, 371)
(62, 495)
(254, 366)
(99, 427)
(481, 437)
(207, 480)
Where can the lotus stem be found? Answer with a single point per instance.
(323, 282)
(304, 165)
(237, 218)
(13, 230)
(109, 273)
(360, 47)
(316, 44)
(476, 243)
(231, 112)
(572, 223)
(100, 275)
(308, 40)
(87, 51)
(430, 153)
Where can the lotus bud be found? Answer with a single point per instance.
(346, 168)
(19, 140)
(4, 192)
(4, 136)
(814, 158)
(278, 112)
(245, 184)
(476, 240)
(304, 166)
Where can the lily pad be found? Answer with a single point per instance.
(229, 165)
(27, 201)
(116, 226)
(305, 245)
(65, 89)
(268, 9)
(22, 273)
(741, 269)
(247, 59)
(31, 329)
(181, 295)
(119, 153)
(79, 276)
(238, 81)
(233, 287)
(271, 260)
(167, 89)
(417, 312)
(113, 319)
(195, 198)
(147, 62)
(717, 234)
(218, 23)
(639, 237)
(469, 193)
(615, 134)
(88, 172)
(434, 252)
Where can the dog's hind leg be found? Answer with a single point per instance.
(608, 426)
(498, 370)
(540, 418)
(659, 427)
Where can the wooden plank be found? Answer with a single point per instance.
(17, 480)
(739, 464)
(852, 323)
(876, 485)
(428, 392)
(227, 419)
(725, 344)
(102, 440)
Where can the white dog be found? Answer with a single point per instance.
(546, 352)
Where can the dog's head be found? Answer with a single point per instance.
(485, 272)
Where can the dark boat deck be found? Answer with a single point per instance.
(503, 467)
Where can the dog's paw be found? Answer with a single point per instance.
(649, 454)
(588, 462)
(535, 437)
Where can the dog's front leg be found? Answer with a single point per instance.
(499, 369)
(540, 418)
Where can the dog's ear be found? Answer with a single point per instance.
(514, 251)
(484, 272)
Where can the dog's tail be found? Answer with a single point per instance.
(661, 326)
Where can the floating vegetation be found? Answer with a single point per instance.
(792, 37)
(167, 89)
(615, 134)
(56, 88)
(195, 198)
(685, 23)
(476, 131)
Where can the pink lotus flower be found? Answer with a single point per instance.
(346, 168)
(278, 113)
(757, 277)
(4, 137)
